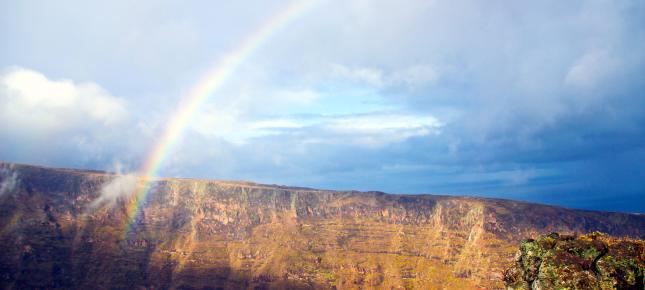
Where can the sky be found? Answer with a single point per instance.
(541, 101)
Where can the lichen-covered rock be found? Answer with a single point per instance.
(593, 261)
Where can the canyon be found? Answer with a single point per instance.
(61, 228)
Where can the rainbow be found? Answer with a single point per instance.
(209, 83)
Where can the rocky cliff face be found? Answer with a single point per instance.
(593, 261)
(62, 228)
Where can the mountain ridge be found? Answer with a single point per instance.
(303, 188)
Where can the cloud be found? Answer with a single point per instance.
(591, 69)
(275, 124)
(379, 129)
(8, 179)
(416, 76)
(34, 102)
(411, 77)
(370, 76)
(369, 129)
(62, 122)
(121, 186)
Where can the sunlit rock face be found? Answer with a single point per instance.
(59, 230)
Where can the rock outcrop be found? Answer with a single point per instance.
(592, 261)
(63, 228)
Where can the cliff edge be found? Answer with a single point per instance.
(76, 229)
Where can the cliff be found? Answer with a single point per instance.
(63, 228)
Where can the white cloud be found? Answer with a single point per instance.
(368, 129)
(31, 101)
(119, 187)
(8, 179)
(274, 124)
(416, 76)
(590, 69)
(296, 97)
(521, 177)
(217, 120)
(370, 76)
(236, 118)
(61, 122)
(233, 127)
(409, 77)
(378, 123)
(375, 130)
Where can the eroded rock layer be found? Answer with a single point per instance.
(63, 228)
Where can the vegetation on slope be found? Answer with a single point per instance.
(592, 261)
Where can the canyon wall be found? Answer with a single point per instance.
(58, 232)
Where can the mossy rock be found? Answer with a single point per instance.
(593, 261)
